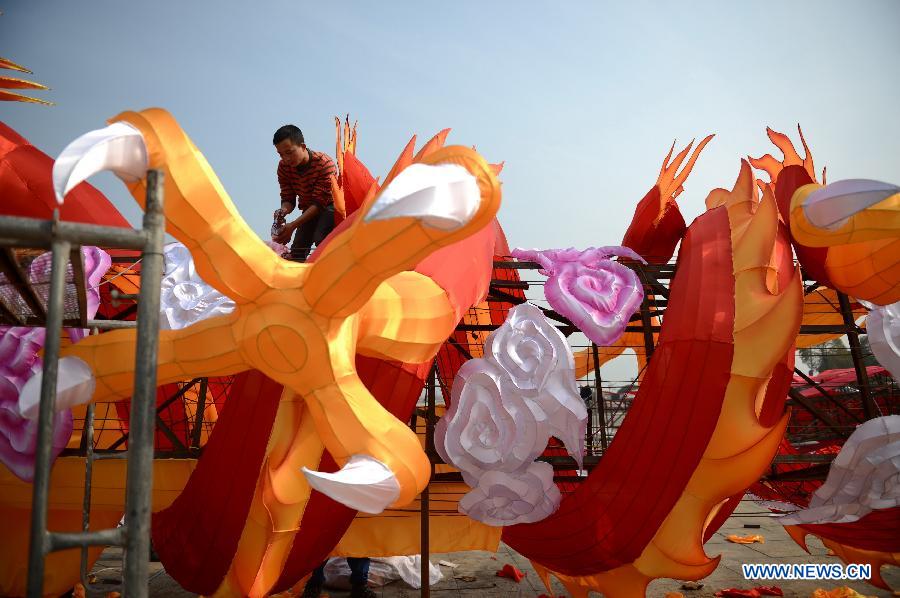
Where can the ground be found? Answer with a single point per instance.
(475, 574)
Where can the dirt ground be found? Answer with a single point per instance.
(475, 573)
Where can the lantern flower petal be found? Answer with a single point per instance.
(21, 368)
(502, 498)
(598, 295)
(504, 409)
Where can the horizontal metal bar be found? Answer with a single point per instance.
(112, 324)
(99, 456)
(813, 472)
(105, 537)
(509, 284)
(35, 322)
(190, 453)
(525, 265)
(803, 458)
(32, 232)
(827, 329)
(504, 265)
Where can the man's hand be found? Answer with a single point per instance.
(284, 237)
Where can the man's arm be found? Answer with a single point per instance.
(289, 228)
(288, 197)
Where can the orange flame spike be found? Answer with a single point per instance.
(405, 159)
(784, 143)
(15, 83)
(671, 181)
(338, 145)
(350, 135)
(8, 96)
(434, 144)
(773, 167)
(665, 163)
(769, 164)
(8, 64)
(808, 160)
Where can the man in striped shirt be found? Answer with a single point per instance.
(305, 175)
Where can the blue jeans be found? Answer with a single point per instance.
(359, 572)
(312, 232)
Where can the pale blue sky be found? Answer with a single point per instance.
(581, 99)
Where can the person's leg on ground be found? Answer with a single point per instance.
(359, 578)
(316, 582)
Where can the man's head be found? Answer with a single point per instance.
(289, 144)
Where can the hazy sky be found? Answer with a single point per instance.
(580, 99)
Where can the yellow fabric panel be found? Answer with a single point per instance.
(821, 308)
(399, 533)
(61, 569)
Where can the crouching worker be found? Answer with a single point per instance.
(305, 180)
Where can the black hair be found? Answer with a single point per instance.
(288, 132)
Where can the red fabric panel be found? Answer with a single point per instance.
(356, 180)
(812, 259)
(397, 387)
(654, 240)
(197, 535)
(173, 416)
(879, 530)
(451, 357)
(27, 188)
(611, 517)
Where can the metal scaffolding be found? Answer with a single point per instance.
(64, 239)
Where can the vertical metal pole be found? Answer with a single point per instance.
(88, 478)
(430, 399)
(601, 408)
(646, 320)
(198, 419)
(41, 488)
(862, 376)
(139, 482)
(647, 325)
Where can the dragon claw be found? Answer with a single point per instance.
(119, 148)
(363, 483)
(444, 196)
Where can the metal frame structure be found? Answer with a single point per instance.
(65, 239)
(606, 410)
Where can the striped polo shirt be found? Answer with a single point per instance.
(310, 182)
